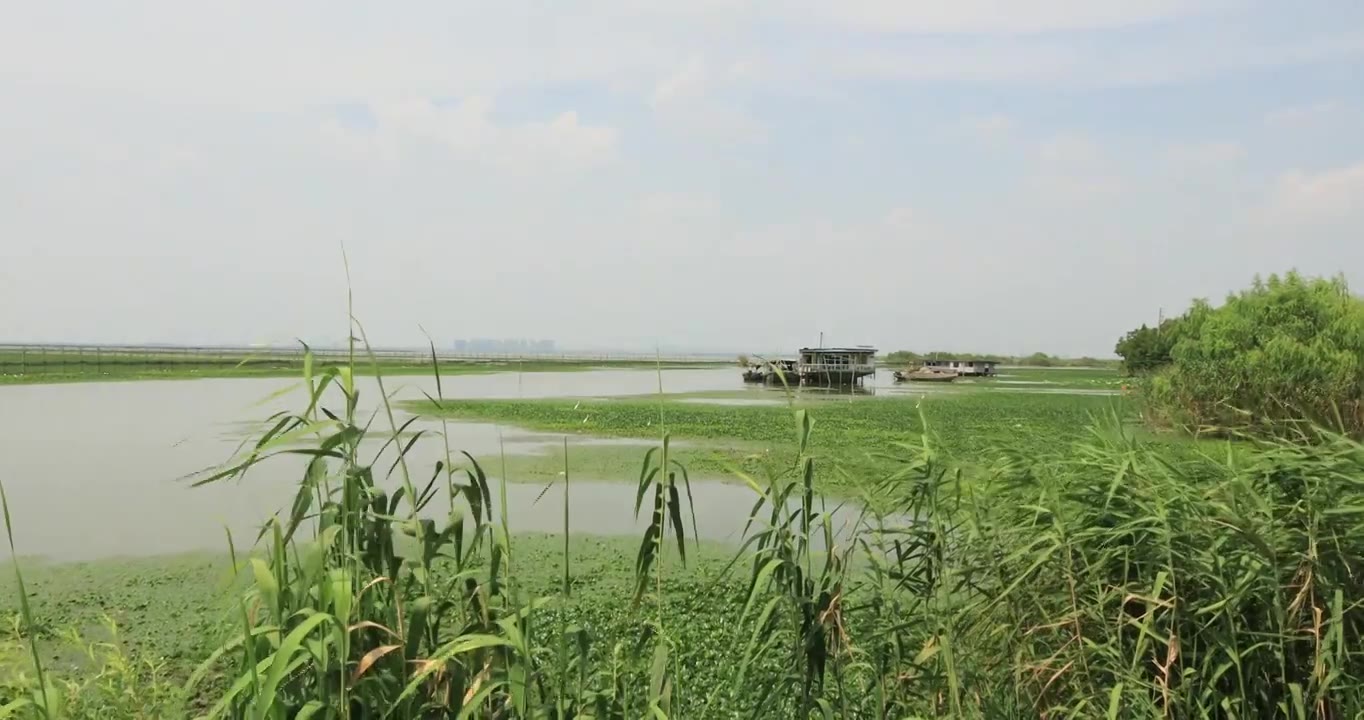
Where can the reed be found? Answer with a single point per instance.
(1117, 579)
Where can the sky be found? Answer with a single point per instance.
(1005, 176)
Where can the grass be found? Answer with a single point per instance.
(1083, 571)
(1104, 378)
(171, 608)
(617, 463)
(175, 610)
(972, 427)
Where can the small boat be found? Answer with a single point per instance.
(783, 372)
(924, 375)
(776, 372)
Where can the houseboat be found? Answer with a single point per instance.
(836, 366)
(966, 367)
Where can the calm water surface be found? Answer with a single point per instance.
(95, 469)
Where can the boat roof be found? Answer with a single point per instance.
(960, 359)
(840, 349)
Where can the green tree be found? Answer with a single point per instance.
(1147, 348)
(1287, 349)
(903, 357)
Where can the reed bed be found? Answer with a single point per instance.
(1121, 581)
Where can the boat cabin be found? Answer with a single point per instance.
(837, 366)
(964, 366)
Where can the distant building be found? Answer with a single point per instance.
(980, 368)
(836, 366)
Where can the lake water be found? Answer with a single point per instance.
(95, 469)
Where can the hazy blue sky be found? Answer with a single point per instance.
(989, 175)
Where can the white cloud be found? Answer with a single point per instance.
(1327, 195)
(1215, 155)
(270, 56)
(1073, 167)
(675, 205)
(997, 16)
(990, 127)
(1301, 116)
(258, 55)
(715, 122)
(1179, 55)
(189, 145)
(1069, 151)
(917, 16)
(468, 129)
(688, 83)
(946, 59)
(902, 218)
(692, 99)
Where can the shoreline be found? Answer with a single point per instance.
(138, 373)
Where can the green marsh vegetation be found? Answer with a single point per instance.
(1280, 357)
(172, 612)
(1037, 359)
(972, 427)
(1074, 378)
(1098, 573)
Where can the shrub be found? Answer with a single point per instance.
(1148, 348)
(1285, 353)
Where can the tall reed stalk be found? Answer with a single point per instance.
(1130, 581)
(1133, 580)
(368, 601)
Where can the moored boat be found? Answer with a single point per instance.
(776, 372)
(923, 375)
